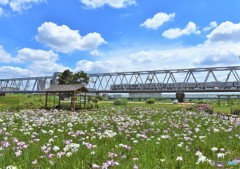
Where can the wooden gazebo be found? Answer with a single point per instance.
(70, 90)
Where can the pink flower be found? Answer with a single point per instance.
(51, 155)
(135, 166)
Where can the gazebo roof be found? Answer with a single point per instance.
(66, 88)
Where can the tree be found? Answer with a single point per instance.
(180, 96)
(68, 77)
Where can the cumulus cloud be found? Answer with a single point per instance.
(203, 55)
(65, 40)
(226, 31)
(1, 11)
(10, 72)
(35, 62)
(111, 3)
(157, 20)
(95, 53)
(32, 55)
(174, 33)
(18, 5)
(5, 56)
(43, 62)
(212, 25)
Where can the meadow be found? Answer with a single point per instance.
(157, 136)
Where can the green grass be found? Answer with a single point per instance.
(148, 136)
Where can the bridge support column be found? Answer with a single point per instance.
(180, 96)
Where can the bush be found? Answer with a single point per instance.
(206, 108)
(123, 102)
(150, 101)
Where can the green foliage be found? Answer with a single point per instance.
(150, 101)
(180, 96)
(95, 101)
(230, 101)
(235, 110)
(68, 77)
(123, 102)
(201, 102)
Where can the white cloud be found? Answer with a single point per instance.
(112, 3)
(158, 20)
(212, 25)
(207, 54)
(65, 40)
(43, 62)
(1, 11)
(174, 33)
(95, 53)
(31, 55)
(226, 31)
(10, 72)
(4, 2)
(5, 56)
(35, 63)
(20, 5)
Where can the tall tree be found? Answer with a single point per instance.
(68, 77)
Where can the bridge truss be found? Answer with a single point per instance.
(215, 79)
(212, 79)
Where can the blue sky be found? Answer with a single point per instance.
(39, 37)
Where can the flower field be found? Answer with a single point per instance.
(117, 137)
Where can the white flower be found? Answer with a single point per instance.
(35, 162)
(56, 148)
(11, 167)
(214, 149)
(201, 159)
(198, 153)
(135, 141)
(197, 129)
(69, 125)
(180, 144)
(95, 166)
(220, 155)
(18, 153)
(179, 159)
(68, 154)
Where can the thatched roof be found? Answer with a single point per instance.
(66, 88)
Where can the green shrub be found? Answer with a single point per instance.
(150, 101)
(123, 102)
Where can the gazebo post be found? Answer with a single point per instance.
(59, 98)
(74, 103)
(85, 95)
(80, 101)
(238, 100)
(46, 99)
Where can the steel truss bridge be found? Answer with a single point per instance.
(211, 79)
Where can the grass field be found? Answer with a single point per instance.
(138, 135)
(116, 137)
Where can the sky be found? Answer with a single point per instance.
(40, 37)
